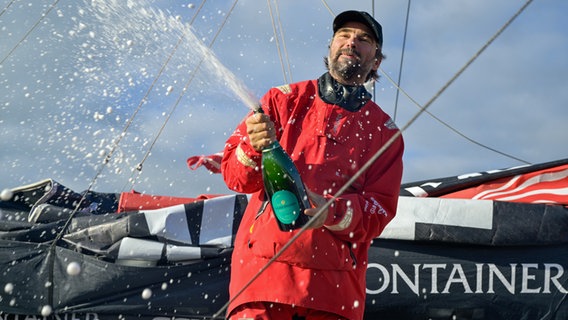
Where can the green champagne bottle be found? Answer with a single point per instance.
(284, 187)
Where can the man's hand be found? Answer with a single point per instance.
(318, 201)
(260, 130)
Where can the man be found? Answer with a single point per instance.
(330, 128)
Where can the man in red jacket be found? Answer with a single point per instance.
(330, 128)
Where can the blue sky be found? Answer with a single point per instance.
(70, 86)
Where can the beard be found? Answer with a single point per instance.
(349, 70)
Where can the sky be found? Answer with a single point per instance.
(79, 79)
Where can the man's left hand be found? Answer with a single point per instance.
(318, 201)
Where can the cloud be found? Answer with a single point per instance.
(69, 89)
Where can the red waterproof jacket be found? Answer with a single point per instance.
(325, 268)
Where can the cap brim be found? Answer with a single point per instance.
(361, 17)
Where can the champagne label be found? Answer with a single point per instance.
(285, 206)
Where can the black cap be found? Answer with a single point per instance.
(362, 17)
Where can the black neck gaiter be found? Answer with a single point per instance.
(351, 98)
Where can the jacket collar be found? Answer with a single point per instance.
(351, 98)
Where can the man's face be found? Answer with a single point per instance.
(352, 54)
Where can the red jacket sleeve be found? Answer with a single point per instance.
(241, 163)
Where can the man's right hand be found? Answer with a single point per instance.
(260, 130)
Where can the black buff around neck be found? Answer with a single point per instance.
(351, 98)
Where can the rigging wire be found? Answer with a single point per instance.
(399, 89)
(283, 39)
(372, 159)
(117, 141)
(6, 7)
(50, 257)
(182, 93)
(472, 59)
(374, 82)
(328, 8)
(276, 37)
(113, 149)
(144, 98)
(450, 127)
(59, 236)
(43, 15)
(401, 61)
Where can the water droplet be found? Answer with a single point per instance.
(146, 294)
(6, 195)
(8, 288)
(46, 310)
(73, 268)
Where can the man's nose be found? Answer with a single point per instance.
(352, 41)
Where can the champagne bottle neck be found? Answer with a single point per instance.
(275, 144)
